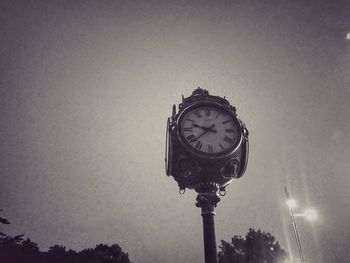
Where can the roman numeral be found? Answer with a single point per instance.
(199, 145)
(217, 115)
(229, 130)
(190, 120)
(210, 148)
(207, 112)
(197, 113)
(188, 129)
(222, 147)
(228, 139)
(227, 121)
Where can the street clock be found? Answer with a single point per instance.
(206, 143)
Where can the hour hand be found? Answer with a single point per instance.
(206, 129)
(202, 127)
(198, 126)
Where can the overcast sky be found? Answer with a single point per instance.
(85, 91)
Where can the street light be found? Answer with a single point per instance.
(309, 214)
(291, 204)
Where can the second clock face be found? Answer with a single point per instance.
(209, 129)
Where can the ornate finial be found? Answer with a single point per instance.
(200, 91)
(174, 110)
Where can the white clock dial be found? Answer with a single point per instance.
(210, 129)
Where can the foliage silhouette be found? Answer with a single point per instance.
(257, 247)
(17, 250)
(3, 220)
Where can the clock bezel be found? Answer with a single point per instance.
(168, 149)
(207, 155)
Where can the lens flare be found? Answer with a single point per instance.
(310, 214)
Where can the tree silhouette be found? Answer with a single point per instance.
(257, 247)
(4, 220)
(17, 250)
(57, 254)
(104, 253)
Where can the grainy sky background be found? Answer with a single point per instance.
(87, 86)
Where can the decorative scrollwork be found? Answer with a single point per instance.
(200, 94)
(222, 191)
(206, 187)
(245, 132)
(188, 167)
(230, 169)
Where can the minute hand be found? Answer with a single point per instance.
(206, 129)
(202, 127)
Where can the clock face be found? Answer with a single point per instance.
(209, 129)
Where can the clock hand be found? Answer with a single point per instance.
(206, 130)
(198, 126)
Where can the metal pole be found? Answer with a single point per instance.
(295, 228)
(207, 202)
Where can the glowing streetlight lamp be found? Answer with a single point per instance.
(309, 214)
(291, 203)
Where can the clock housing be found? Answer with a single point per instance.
(206, 143)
